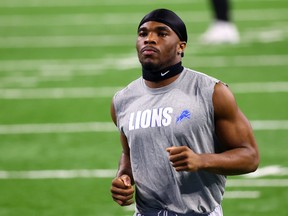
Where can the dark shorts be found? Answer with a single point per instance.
(216, 212)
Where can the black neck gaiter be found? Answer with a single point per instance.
(155, 76)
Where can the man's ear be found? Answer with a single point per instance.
(182, 46)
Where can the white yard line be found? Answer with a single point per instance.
(276, 170)
(62, 67)
(47, 66)
(58, 174)
(83, 127)
(58, 93)
(62, 41)
(32, 72)
(270, 124)
(77, 3)
(110, 173)
(58, 128)
(29, 73)
(94, 92)
(66, 41)
(257, 183)
(240, 61)
(17, 20)
(242, 194)
(258, 87)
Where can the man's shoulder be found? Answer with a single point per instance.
(130, 91)
(130, 87)
(199, 74)
(199, 77)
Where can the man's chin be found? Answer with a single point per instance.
(150, 66)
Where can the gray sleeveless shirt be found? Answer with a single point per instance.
(180, 114)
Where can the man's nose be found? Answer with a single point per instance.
(151, 38)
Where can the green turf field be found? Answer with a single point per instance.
(62, 60)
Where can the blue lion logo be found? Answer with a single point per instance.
(184, 115)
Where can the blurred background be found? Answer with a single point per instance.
(61, 61)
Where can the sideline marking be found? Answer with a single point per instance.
(83, 127)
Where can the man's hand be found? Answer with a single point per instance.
(122, 190)
(184, 159)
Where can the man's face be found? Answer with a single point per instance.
(157, 46)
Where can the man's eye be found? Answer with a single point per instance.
(142, 34)
(163, 34)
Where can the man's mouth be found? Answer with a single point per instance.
(149, 50)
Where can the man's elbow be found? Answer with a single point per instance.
(254, 161)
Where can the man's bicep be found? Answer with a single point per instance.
(232, 127)
(234, 132)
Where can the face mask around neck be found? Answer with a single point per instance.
(163, 74)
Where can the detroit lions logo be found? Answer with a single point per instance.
(184, 115)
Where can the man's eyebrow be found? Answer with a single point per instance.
(163, 28)
(158, 28)
(142, 29)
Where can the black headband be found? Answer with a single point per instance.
(170, 19)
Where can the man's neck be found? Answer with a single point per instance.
(158, 77)
(161, 83)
